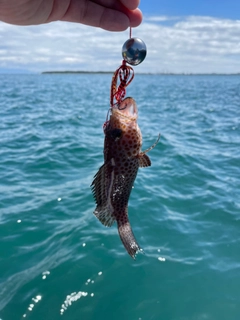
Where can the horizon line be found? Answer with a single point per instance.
(142, 73)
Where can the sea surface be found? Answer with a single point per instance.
(57, 261)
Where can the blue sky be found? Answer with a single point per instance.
(181, 37)
(215, 8)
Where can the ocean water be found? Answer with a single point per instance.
(57, 261)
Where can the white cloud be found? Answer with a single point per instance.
(189, 44)
(161, 18)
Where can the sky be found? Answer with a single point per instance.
(201, 36)
(229, 9)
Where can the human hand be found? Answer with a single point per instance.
(111, 15)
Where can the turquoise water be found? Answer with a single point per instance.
(56, 259)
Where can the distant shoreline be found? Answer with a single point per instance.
(142, 73)
(112, 72)
(78, 72)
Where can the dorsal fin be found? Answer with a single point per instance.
(144, 160)
(102, 188)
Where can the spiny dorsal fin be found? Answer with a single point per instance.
(144, 160)
(102, 188)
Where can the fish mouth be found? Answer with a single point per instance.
(128, 108)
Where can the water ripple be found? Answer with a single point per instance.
(184, 209)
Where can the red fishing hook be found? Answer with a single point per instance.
(124, 76)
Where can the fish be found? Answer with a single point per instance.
(113, 183)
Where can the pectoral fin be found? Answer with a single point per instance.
(144, 160)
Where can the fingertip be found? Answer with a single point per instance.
(131, 5)
(135, 18)
(121, 21)
(112, 22)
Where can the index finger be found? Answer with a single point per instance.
(130, 4)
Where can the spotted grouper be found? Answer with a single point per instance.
(113, 182)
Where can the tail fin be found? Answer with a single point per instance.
(128, 239)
